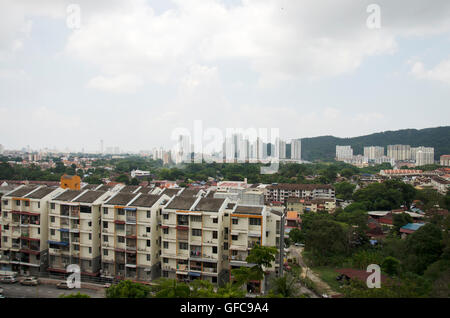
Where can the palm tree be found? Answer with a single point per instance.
(284, 286)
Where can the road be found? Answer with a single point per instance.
(44, 291)
(307, 272)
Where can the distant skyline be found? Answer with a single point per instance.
(135, 70)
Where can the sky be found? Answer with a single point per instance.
(131, 72)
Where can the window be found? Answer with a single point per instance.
(267, 233)
(105, 238)
(166, 231)
(89, 223)
(76, 247)
(148, 214)
(39, 230)
(196, 218)
(52, 206)
(183, 246)
(5, 214)
(90, 236)
(105, 225)
(148, 257)
(39, 205)
(254, 221)
(120, 239)
(235, 221)
(27, 203)
(105, 210)
(165, 260)
(166, 244)
(18, 202)
(6, 227)
(196, 232)
(5, 202)
(5, 239)
(148, 229)
(214, 279)
(52, 232)
(52, 219)
(166, 216)
(121, 211)
(90, 250)
(105, 252)
(214, 249)
(214, 234)
(85, 209)
(225, 246)
(234, 237)
(215, 220)
(148, 243)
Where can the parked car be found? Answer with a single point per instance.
(63, 285)
(29, 281)
(1, 291)
(8, 280)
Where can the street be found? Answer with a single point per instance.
(44, 291)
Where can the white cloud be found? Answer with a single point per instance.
(440, 72)
(116, 84)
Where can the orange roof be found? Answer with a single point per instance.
(292, 215)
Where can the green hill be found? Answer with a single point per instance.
(324, 147)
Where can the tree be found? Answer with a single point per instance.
(423, 248)
(260, 256)
(399, 220)
(171, 288)
(284, 286)
(230, 290)
(123, 178)
(296, 236)
(201, 289)
(344, 190)
(391, 266)
(128, 289)
(325, 239)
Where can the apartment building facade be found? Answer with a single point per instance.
(344, 152)
(73, 231)
(399, 152)
(373, 152)
(250, 226)
(280, 192)
(24, 247)
(193, 239)
(130, 236)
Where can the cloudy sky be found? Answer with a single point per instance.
(134, 70)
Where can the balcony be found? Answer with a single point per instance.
(182, 267)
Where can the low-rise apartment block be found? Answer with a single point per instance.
(74, 227)
(193, 239)
(314, 205)
(280, 192)
(130, 236)
(250, 226)
(24, 247)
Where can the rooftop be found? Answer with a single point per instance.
(68, 195)
(209, 205)
(189, 192)
(90, 196)
(181, 203)
(412, 226)
(121, 198)
(245, 209)
(129, 188)
(171, 192)
(146, 200)
(40, 193)
(22, 191)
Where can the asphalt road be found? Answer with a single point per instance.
(44, 291)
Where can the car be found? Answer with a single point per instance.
(299, 244)
(63, 285)
(1, 291)
(29, 281)
(8, 280)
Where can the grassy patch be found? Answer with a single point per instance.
(328, 275)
